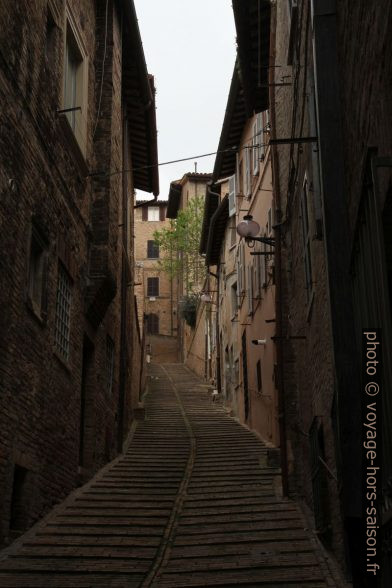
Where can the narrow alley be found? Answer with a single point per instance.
(191, 503)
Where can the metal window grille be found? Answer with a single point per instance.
(152, 286)
(153, 213)
(109, 364)
(63, 313)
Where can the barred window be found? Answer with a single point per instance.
(109, 364)
(152, 286)
(63, 312)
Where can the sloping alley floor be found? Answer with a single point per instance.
(191, 503)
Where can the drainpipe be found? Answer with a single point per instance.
(278, 263)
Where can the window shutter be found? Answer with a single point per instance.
(162, 213)
(144, 213)
(232, 191)
(250, 289)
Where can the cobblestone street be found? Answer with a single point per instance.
(191, 503)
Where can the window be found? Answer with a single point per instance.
(306, 239)
(36, 294)
(50, 39)
(152, 286)
(232, 195)
(63, 313)
(153, 213)
(109, 364)
(293, 18)
(75, 82)
(152, 324)
(152, 250)
(258, 143)
(247, 178)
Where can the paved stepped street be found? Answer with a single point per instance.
(191, 503)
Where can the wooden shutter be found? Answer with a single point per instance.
(144, 213)
(162, 213)
(232, 193)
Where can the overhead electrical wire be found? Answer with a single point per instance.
(230, 149)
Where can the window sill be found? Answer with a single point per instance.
(74, 145)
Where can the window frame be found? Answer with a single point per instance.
(149, 282)
(152, 247)
(153, 209)
(73, 39)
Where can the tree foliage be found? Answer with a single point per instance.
(179, 244)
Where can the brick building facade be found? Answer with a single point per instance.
(191, 185)
(70, 348)
(156, 290)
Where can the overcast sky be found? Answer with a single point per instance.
(190, 49)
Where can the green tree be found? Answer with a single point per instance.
(179, 244)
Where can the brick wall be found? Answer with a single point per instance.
(41, 400)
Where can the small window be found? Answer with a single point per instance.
(109, 364)
(63, 313)
(37, 273)
(153, 213)
(152, 250)
(152, 324)
(152, 286)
